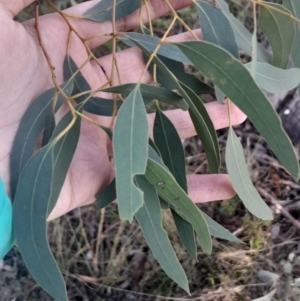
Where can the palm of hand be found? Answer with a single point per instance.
(25, 74)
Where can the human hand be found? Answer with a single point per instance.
(25, 74)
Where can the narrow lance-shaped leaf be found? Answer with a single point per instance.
(280, 31)
(103, 10)
(236, 82)
(242, 35)
(178, 69)
(32, 124)
(150, 43)
(169, 144)
(107, 195)
(294, 7)
(219, 231)
(240, 179)
(273, 79)
(95, 105)
(216, 28)
(182, 76)
(168, 188)
(130, 145)
(38, 189)
(150, 92)
(197, 110)
(150, 220)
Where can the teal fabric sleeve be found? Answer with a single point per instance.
(6, 224)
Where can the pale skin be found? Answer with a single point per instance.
(25, 74)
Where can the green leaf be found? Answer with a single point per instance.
(107, 195)
(219, 95)
(101, 106)
(130, 145)
(80, 83)
(199, 115)
(280, 31)
(236, 82)
(186, 234)
(148, 42)
(49, 128)
(167, 187)
(216, 28)
(32, 124)
(170, 147)
(150, 220)
(103, 10)
(219, 231)
(205, 130)
(169, 144)
(240, 179)
(38, 189)
(150, 92)
(242, 35)
(294, 7)
(178, 70)
(273, 79)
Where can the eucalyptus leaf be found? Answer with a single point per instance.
(219, 95)
(219, 231)
(167, 187)
(236, 82)
(170, 147)
(169, 144)
(216, 28)
(240, 179)
(202, 122)
(80, 83)
(148, 42)
(178, 70)
(150, 92)
(150, 220)
(32, 124)
(273, 79)
(186, 234)
(107, 195)
(242, 35)
(102, 106)
(294, 7)
(38, 189)
(103, 10)
(130, 145)
(280, 31)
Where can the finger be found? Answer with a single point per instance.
(218, 113)
(13, 7)
(207, 188)
(86, 28)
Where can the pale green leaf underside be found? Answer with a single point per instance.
(236, 82)
(294, 7)
(130, 145)
(103, 10)
(280, 31)
(242, 35)
(240, 179)
(273, 79)
(216, 28)
(150, 220)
